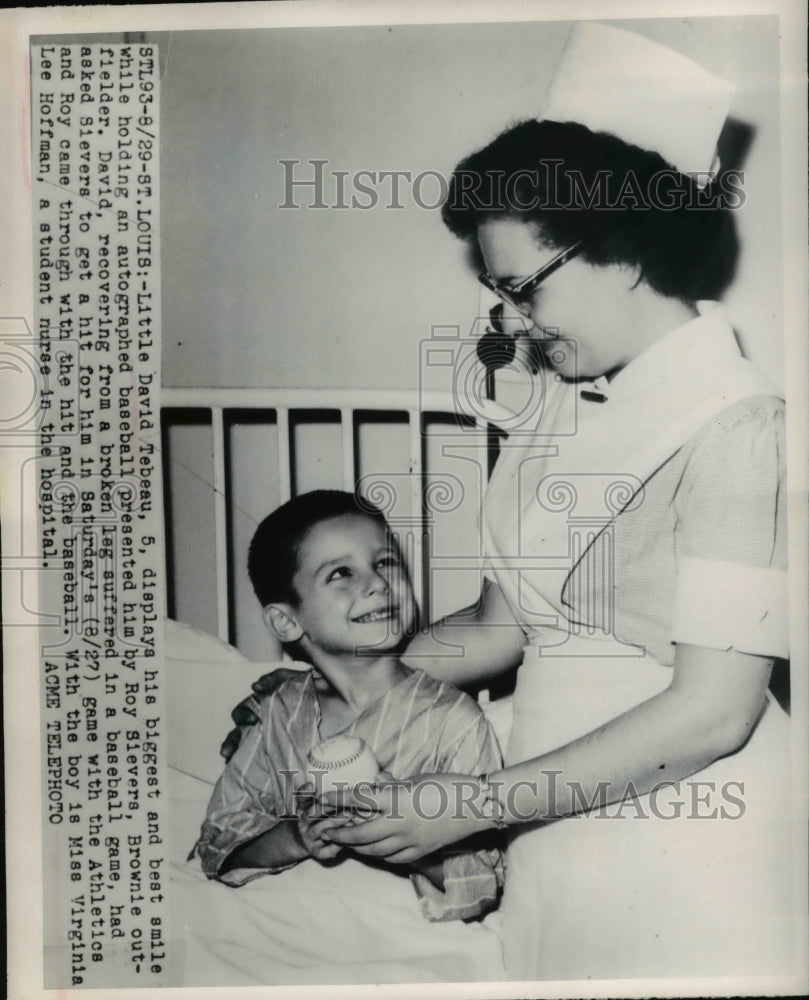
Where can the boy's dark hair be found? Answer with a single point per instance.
(624, 204)
(273, 557)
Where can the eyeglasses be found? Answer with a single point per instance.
(519, 296)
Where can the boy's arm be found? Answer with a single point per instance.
(432, 868)
(465, 880)
(247, 805)
(276, 848)
(287, 843)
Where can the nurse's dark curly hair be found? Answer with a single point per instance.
(626, 205)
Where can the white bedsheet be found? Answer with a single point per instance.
(313, 924)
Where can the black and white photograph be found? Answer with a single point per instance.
(404, 499)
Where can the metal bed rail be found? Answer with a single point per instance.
(415, 404)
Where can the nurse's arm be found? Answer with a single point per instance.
(473, 645)
(707, 712)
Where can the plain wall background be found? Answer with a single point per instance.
(256, 295)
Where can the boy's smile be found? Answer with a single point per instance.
(353, 589)
(384, 614)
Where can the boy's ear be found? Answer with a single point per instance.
(282, 621)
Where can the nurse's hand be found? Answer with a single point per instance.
(273, 679)
(411, 818)
(244, 714)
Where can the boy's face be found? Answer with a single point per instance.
(354, 591)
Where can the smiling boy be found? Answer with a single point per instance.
(333, 586)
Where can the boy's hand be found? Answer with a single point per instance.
(315, 818)
(311, 825)
(410, 819)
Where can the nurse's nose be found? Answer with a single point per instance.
(498, 345)
(513, 322)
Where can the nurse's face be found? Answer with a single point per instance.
(579, 314)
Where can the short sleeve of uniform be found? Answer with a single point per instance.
(731, 587)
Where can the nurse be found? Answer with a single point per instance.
(634, 532)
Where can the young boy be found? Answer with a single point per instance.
(332, 585)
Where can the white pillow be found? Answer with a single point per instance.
(205, 679)
(186, 642)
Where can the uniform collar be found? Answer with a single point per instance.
(687, 361)
(690, 351)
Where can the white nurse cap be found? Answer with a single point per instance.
(615, 81)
